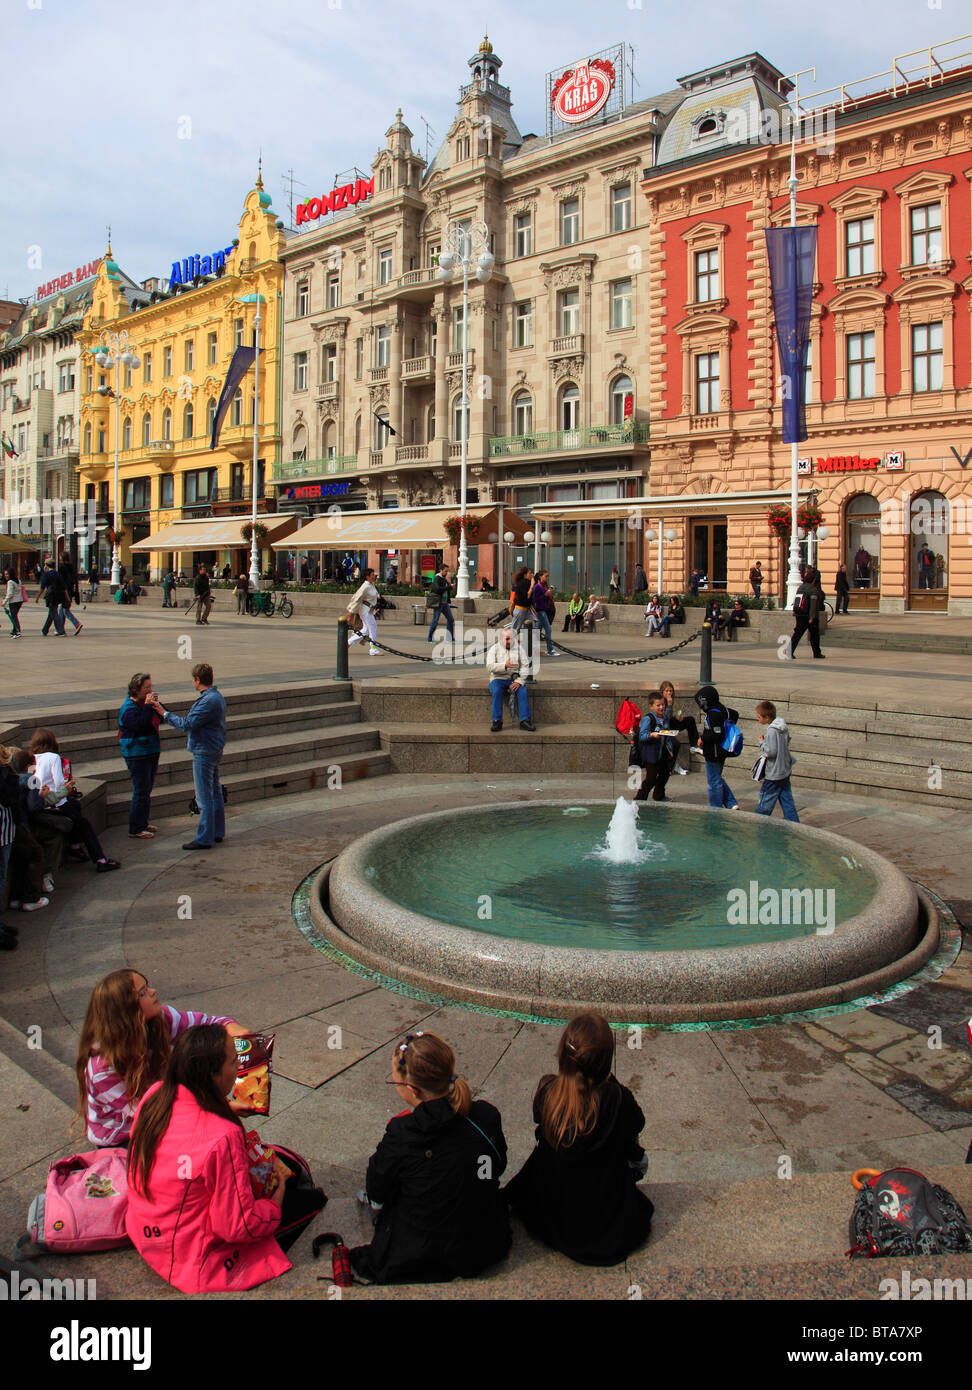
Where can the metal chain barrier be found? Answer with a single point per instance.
(581, 656)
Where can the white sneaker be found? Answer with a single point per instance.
(374, 651)
(48, 884)
(699, 752)
(682, 772)
(35, 907)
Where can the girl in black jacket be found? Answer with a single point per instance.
(435, 1175)
(577, 1191)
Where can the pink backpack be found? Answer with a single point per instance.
(83, 1206)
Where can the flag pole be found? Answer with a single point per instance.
(793, 578)
(254, 562)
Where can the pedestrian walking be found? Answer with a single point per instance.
(542, 603)
(14, 595)
(168, 584)
(774, 749)
(437, 600)
(806, 610)
(206, 725)
(204, 597)
(364, 604)
(242, 594)
(52, 591)
(522, 588)
(717, 715)
(138, 737)
(72, 594)
(756, 578)
(640, 579)
(93, 579)
(842, 590)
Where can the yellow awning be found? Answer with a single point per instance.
(397, 528)
(212, 533)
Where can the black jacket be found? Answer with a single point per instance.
(714, 728)
(582, 1198)
(440, 592)
(202, 586)
(841, 583)
(443, 1214)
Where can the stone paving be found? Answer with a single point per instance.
(723, 1107)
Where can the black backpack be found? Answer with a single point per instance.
(900, 1213)
(801, 604)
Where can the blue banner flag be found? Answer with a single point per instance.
(240, 365)
(792, 252)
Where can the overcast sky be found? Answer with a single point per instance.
(149, 114)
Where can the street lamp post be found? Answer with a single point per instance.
(462, 241)
(116, 350)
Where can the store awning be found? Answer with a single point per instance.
(9, 545)
(213, 533)
(685, 503)
(397, 528)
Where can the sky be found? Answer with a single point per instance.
(150, 115)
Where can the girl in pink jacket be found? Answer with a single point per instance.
(191, 1212)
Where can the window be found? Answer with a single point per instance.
(808, 372)
(383, 347)
(358, 358)
(330, 362)
(166, 361)
(523, 234)
(237, 332)
(707, 383)
(198, 486)
(926, 356)
(621, 208)
(523, 414)
(463, 148)
(89, 379)
(167, 424)
(212, 348)
(457, 414)
(926, 233)
(236, 409)
(622, 391)
(146, 368)
(523, 324)
(330, 434)
(137, 495)
(187, 419)
(303, 299)
(459, 340)
(622, 304)
(706, 276)
(385, 265)
(384, 177)
(236, 482)
(569, 315)
(65, 377)
(210, 418)
(127, 433)
(126, 376)
(146, 430)
(300, 371)
(333, 290)
(87, 439)
(433, 336)
(570, 221)
(860, 366)
(569, 407)
(166, 490)
(190, 354)
(859, 246)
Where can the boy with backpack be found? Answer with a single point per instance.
(719, 727)
(775, 748)
(653, 749)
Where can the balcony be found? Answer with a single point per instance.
(161, 452)
(416, 368)
(411, 453)
(328, 391)
(568, 346)
(558, 441)
(66, 449)
(290, 470)
(454, 360)
(17, 406)
(377, 373)
(414, 278)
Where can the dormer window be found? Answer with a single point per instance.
(709, 125)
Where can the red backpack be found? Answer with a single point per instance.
(629, 717)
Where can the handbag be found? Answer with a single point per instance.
(759, 768)
(355, 622)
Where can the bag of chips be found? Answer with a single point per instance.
(254, 1072)
(263, 1171)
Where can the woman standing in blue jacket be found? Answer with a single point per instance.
(138, 735)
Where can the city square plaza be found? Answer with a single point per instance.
(752, 1129)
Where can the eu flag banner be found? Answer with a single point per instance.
(240, 365)
(792, 252)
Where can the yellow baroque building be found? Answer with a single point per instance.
(158, 414)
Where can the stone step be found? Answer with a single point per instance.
(280, 778)
(882, 748)
(104, 745)
(176, 763)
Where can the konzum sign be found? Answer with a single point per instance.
(583, 91)
(344, 197)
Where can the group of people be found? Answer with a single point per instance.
(159, 1081)
(660, 619)
(58, 587)
(725, 623)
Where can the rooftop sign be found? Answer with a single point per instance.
(72, 277)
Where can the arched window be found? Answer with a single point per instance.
(430, 432)
(929, 542)
(569, 411)
(167, 423)
(210, 417)
(621, 391)
(523, 413)
(300, 443)
(236, 409)
(357, 433)
(329, 439)
(127, 433)
(863, 554)
(146, 430)
(87, 439)
(252, 253)
(187, 417)
(457, 413)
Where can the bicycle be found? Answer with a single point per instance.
(269, 602)
(88, 595)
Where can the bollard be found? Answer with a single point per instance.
(705, 656)
(530, 630)
(341, 671)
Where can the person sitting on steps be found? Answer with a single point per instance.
(508, 667)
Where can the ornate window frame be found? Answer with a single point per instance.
(861, 309)
(930, 299)
(705, 236)
(705, 333)
(927, 186)
(851, 206)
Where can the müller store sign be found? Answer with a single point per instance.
(850, 463)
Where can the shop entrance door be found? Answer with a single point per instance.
(928, 554)
(710, 552)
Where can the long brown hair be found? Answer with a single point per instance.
(428, 1064)
(197, 1059)
(571, 1101)
(115, 1029)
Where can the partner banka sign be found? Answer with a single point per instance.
(187, 270)
(72, 277)
(347, 196)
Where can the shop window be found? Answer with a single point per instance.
(863, 553)
(929, 543)
(166, 490)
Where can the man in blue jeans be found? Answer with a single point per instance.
(206, 725)
(437, 601)
(717, 716)
(509, 666)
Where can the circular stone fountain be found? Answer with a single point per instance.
(671, 915)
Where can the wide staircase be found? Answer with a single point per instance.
(279, 742)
